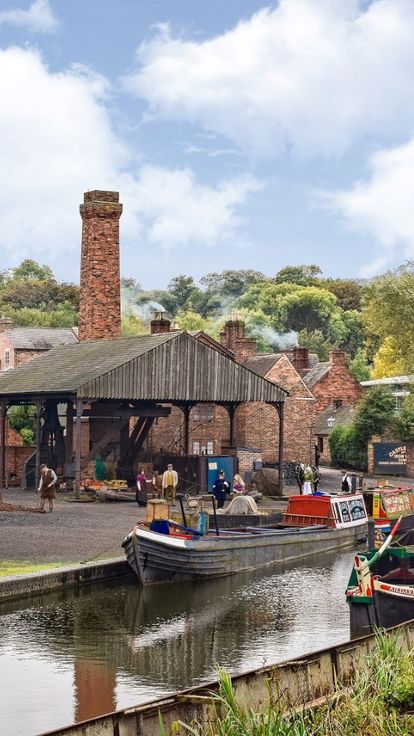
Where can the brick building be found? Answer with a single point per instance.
(18, 345)
(332, 383)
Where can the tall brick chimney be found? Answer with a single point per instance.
(233, 338)
(100, 286)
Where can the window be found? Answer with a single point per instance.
(203, 413)
(337, 403)
(7, 358)
(205, 448)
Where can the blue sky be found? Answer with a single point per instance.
(239, 134)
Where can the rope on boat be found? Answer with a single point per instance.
(106, 549)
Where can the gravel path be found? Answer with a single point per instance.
(73, 532)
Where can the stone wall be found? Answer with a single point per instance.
(100, 292)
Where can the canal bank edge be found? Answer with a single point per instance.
(302, 681)
(17, 586)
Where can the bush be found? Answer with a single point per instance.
(347, 449)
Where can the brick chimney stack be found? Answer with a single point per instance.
(301, 359)
(160, 324)
(233, 338)
(337, 357)
(6, 323)
(100, 285)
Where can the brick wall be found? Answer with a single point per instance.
(336, 384)
(25, 356)
(100, 296)
(5, 345)
(168, 432)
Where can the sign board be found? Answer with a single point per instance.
(390, 458)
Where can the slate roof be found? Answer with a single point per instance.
(40, 338)
(165, 367)
(343, 416)
(316, 374)
(262, 363)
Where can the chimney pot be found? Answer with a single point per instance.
(301, 359)
(337, 357)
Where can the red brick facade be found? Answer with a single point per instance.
(100, 301)
(337, 384)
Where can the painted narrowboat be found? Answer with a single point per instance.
(380, 591)
(161, 551)
(387, 504)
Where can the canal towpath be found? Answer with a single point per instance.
(79, 532)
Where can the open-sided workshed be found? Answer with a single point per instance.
(112, 381)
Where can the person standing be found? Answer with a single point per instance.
(141, 494)
(47, 486)
(346, 483)
(300, 476)
(220, 489)
(316, 478)
(308, 481)
(169, 483)
(239, 486)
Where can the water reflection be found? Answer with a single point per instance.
(112, 646)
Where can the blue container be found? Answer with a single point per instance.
(203, 519)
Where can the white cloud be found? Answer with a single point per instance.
(174, 210)
(39, 18)
(57, 141)
(381, 206)
(312, 75)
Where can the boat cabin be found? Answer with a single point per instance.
(386, 504)
(334, 511)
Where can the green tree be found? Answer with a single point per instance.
(374, 411)
(183, 289)
(22, 420)
(30, 269)
(132, 325)
(388, 310)
(358, 366)
(300, 275)
(348, 292)
(232, 283)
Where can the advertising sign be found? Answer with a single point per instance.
(390, 458)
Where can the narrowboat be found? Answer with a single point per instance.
(162, 551)
(380, 591)
(387, 504)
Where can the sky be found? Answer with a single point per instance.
(239, 134)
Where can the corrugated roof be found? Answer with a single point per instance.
(167, 367)
(343, 416)
(316, 373)
(40, 338)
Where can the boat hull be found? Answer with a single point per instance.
(159, 558)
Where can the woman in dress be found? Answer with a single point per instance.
(238, 484)
(308, 481)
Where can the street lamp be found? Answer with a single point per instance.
(330, 422)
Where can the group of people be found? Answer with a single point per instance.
(165, 485)
(221, 488)
(307, 478)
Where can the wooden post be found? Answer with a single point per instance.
(3, 410)
(186, 411)
(38, 405)
(280, 410)
(231, 409)
(78, 453)
(69, 441)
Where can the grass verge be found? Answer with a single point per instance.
(19, 567)
(380, 703)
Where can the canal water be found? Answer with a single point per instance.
(71, 655)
